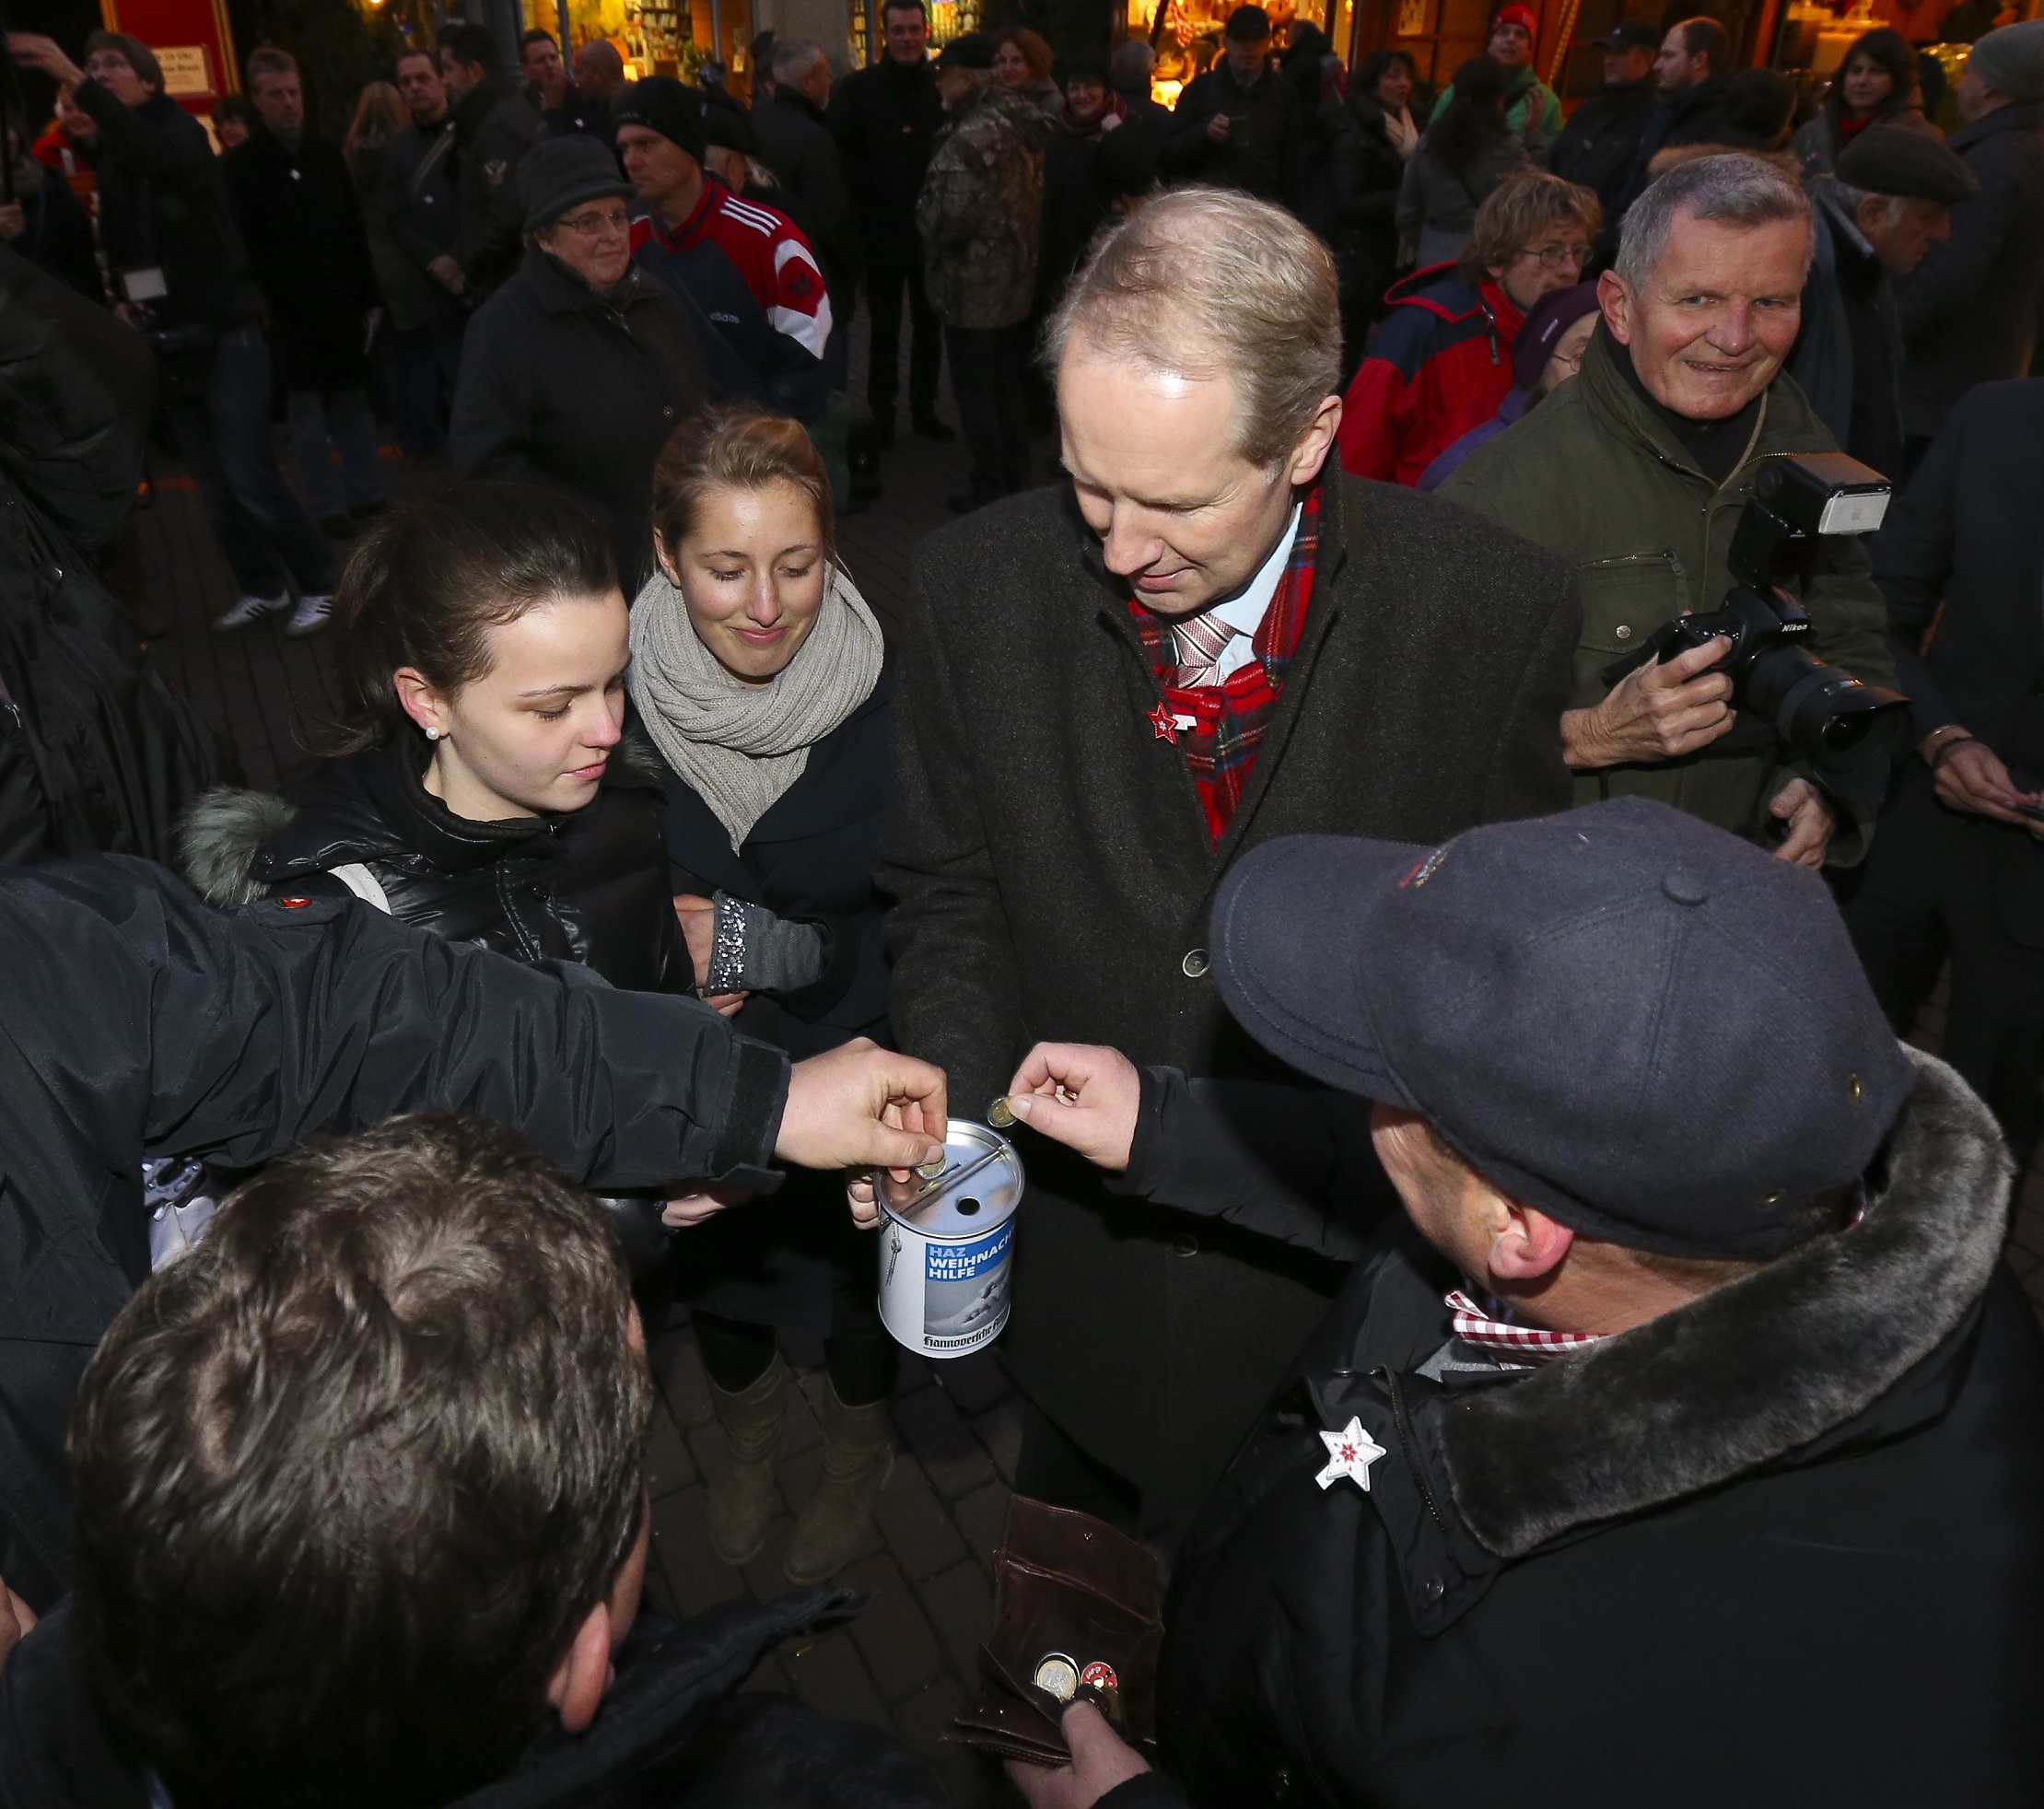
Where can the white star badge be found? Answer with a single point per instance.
(1350, 1453)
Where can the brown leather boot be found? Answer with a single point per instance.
(741, 1492)
(858, 1455)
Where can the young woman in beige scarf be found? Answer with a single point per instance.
(759, 674)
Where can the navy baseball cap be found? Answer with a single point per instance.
(1630, 34)
(1652, 1031)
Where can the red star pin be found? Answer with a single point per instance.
(1161, 716)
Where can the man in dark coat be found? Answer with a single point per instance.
(139, 1023)
(795, 143)
(1240, 125)
(422, 214)
(1970, 312)
(382, 1494)
(1683, 1448)
(1889, 203)
(1075, 771)
(577, 370)
(1956, 871)
(886, 118)
(494, 128)
(180, 274)
(296, 205)
(1691, 74)
(1597, 146)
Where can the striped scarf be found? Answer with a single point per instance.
(1219, 727)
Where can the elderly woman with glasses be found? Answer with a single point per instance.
(577, 370)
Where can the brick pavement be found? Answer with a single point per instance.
(908, 1661)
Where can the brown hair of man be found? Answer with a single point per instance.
(351, 1473)
(1703, 36)
(1521, 212)
(269, 61)
(137, 55)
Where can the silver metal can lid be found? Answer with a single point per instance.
(978, 1190)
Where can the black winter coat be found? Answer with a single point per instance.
(885, 119)
(673, 1732)
(1963, 547)
(1266, 134)
(57, 234)
(1783, 1545)
(1597, 147)
(565, 387)
(1053, 872)
(494, 128)
(96, 753)
(1696, 116)
(588, 886)
(137, 1022)
(1970, 310)
(1367, 172)
(1075, 207)
(422, 207)
(795, 143)
(810, 858)
(298, 217)
(163, 205)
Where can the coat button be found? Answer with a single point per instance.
(667, 414)
(1195, 965)
(1433, 1589)
(1184, 1246)
(1623, 632)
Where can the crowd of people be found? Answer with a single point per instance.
(1437, 821)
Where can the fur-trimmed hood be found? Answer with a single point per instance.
(1754, 1370)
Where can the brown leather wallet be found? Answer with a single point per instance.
(1077, 1611)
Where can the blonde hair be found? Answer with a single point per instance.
(1515, 215)
(1205, 282)
(379, 115)
(741, 448)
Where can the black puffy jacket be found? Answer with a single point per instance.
(588, 886)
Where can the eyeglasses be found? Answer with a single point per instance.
(1558, 257)
(597, 221)
(1569, 360)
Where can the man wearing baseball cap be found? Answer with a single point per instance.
(1240, 125)
(1597, 146)
(1529, 99)
(1683, 1446)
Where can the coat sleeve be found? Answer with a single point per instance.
(1369, 420)
(490, 428)
(155, 154)
(1184, 146)
(1912, 561)
(955, 997)
(1290, 1162)
(242, 1033)
(1528, 777)
(1948, 279)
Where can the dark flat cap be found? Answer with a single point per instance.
(558, 175)
(1653, 1031)
(975, 50)
(1892, 159)
(671, 108)
(1250, 24)
(1630, 34)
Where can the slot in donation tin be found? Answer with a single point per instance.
(947, 1244)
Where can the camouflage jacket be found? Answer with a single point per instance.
(980, 209)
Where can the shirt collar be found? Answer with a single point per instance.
(1244, 612)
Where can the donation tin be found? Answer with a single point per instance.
(947, 1244)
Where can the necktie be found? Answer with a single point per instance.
(1201, 640)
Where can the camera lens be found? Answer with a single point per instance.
(1847, 730)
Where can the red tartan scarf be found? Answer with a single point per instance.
(1218, 727)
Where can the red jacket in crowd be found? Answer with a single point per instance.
(1439, 365)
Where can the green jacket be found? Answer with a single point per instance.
(981, 208)
(1528, 94)
(1592, 475)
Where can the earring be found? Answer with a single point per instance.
(432, 734)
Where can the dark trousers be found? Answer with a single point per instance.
(219, 411)
(425, 361)
(892, 266)
(1929, 890)
(989, 380)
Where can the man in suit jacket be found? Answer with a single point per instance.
(1957, 870)
(1113, 689)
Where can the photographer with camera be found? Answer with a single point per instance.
(1640, 473)
(182, 277)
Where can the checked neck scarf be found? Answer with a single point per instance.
(1218, 727)
(1517, 1346)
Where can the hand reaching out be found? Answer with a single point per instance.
(1101, 1760)
(1080, 1096)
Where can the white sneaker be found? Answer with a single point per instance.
(248, 608)
(309, 617)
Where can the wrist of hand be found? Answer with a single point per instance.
(1938, 754)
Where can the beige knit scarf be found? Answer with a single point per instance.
(741, 746)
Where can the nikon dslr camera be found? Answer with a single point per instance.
(1848, 731)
